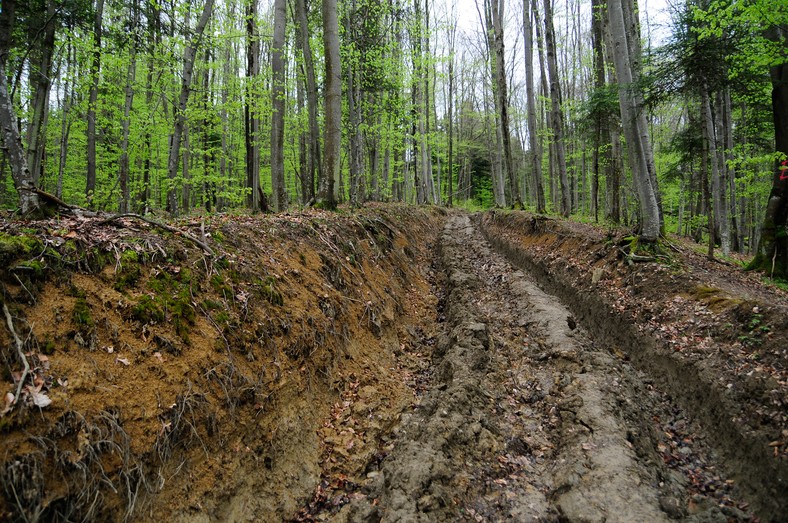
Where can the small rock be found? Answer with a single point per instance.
(672, 507)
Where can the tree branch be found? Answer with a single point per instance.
(164, 226)
(19, 349)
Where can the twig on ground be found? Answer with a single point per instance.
(164, 226)
(19, 349)
(26, 289)
(54, 199)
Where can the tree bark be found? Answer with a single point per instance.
(313, 162)
(333, 106)
(65, 124)
(24, 181)
(597, 15)
(40, 79)
(123, 168)
(533, 139)
(557, 117)
(630, 109)
(771, 256)
(502, 101)
(450, 114)
(95, 66)
(278, 105)
(251, 119)
(189, 55)
(720, 203)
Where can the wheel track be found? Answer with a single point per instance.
(526, 419)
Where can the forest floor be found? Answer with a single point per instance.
(391, 364)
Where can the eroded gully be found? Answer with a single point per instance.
(527, 419)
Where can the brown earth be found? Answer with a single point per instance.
(385, 365)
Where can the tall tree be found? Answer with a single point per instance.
(123, 168)
(252, 122)
(333, 106)
(772, 252)
(42, 37)
(189, 55)
(313, 144)
(278, 105)
(95, 67)
(621, 34)
(25, 181)
(556, 114)
(502, 100)
(533, 138)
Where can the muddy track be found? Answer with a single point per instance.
(737, 450)
(528, 418)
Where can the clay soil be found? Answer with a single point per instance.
(390, 364)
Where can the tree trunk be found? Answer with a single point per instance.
(706, 162)
(251, 119)
(557, 117)
(730, 176)
(450, 112)
(65, 125)
(23, 179)
(40, 78)
(502, 101)
(186, 187)
(771, 255)
(720, 204)
(533, 138)
(278, 105)
(123, 168)
(333, 106)
(597, 15)
(313, 162)
(189, 55)
(354, 138)
(630, 109)
(95, 66)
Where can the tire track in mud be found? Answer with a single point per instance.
(526, 419)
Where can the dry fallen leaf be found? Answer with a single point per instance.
(124, 361)
(40, 399)
(8, 401)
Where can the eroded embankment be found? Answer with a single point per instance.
(582, 273)
(168, 384)
(526, 419)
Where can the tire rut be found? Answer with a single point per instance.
(526, 419)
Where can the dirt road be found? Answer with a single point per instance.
(399, 364)
(527, 418)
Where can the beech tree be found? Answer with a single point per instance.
(435, 109)
(189, 56)
(25, 181)
(556, 113)
(278, 105)
(533, 139)
(333, 107)
(631, 106)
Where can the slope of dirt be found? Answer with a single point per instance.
(397, 364)
(169, 384)
(703, 333)
(521, 422)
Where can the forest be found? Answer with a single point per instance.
(570, 108)
(245, 277)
